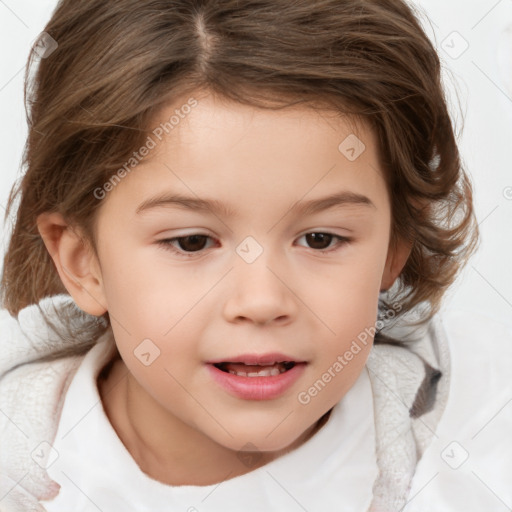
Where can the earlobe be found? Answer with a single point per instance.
(75, 262)
(398, 254)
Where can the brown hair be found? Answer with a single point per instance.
(91, 101)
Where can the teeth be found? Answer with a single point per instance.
(271, 372)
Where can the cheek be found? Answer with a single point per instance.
(143, 293)
(346, 297)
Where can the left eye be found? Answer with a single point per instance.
(191, 244)
(321, 241)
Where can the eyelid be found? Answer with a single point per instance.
(342, 240)
(166, 243)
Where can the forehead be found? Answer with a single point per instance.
(212, 118)
(204, 146)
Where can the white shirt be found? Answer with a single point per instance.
(96, 472)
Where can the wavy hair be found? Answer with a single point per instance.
(90, 103)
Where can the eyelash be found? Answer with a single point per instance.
(166, 243)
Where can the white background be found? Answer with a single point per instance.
(480, 79)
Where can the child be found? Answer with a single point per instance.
(231, 213)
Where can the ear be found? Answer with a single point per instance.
(75, 261)
(399, 251)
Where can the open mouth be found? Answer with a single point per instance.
(257, 376)
(255, 370)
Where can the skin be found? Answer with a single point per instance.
(177, 423)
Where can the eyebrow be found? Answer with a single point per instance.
(340, 199)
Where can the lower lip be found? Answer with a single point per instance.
(257, 388)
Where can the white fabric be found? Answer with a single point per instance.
(396, 377)
(468, 465)
(29, 398)
(36, 392)
(95, 471)
(472, 413)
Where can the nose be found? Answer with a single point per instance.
(259, 295)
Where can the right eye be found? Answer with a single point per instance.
(188, 245)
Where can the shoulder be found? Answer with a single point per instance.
(53, 327)
(34, 377)
(31, 400)
(472, 448)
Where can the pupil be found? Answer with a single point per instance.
(315, 238)
(198, 242)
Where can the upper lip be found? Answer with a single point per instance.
(255, 359)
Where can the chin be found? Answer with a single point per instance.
(259, 440)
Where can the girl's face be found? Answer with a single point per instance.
(245, 236)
